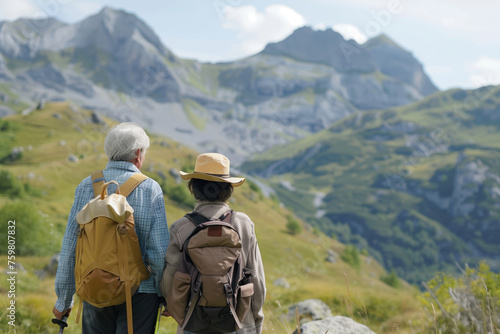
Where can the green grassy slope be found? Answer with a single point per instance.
(51, 135)
(379, 173)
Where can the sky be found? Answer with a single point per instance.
(457, 41)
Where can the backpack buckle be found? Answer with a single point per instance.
(197, 287)
(228, 289)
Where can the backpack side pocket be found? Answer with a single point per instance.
(178, 297)
(244, 300)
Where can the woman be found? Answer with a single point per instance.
(212, 186)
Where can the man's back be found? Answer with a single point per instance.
(125, 145)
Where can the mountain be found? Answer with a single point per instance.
(394, 61)
(112, 62)
(417, 185)
(378, 56)
(113, 50)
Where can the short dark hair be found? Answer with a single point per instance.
(210, 191)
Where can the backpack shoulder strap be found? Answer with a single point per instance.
(199, 219)
(196, 218)
(132, 183)
(97, 182)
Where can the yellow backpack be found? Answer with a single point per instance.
(108, 260)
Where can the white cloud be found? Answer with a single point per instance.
(256, 29)
(12, 10)
(320, 26)
(348, 31)
(485, 71)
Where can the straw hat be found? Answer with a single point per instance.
(212, 167)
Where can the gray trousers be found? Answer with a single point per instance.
(113, 319)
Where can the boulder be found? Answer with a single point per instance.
(334, 325)
(50, 269)
(96, 118)
(282, 282)
(72, 158)
(313, 309)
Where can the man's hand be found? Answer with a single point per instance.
(166, 313)
(59, 315)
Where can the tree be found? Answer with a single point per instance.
(293, 226)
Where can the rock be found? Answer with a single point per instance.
(469, 177)
(282, 282)
(313, 309)
(16, 153)
(175, 174)
(72, 158)
(49, 269)
(62, 143)
(334, 325)
(96, 118)
(495, 192)
(332, 258)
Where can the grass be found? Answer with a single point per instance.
(300, 258)
(355, 169)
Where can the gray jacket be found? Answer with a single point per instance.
(183, 227)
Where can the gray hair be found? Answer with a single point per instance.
(123, 140)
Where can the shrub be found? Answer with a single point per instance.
(467, 304)
(391, 279)
(293, 226)
(10, 185)
(180, 194)
(351, 256)
(34, 235)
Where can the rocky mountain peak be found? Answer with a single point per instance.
(381, 40)
(322, 46)
(393, 60)
(110, 28)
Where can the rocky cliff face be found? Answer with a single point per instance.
(113, 62)
(394, 61)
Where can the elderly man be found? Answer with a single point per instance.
(125, 145)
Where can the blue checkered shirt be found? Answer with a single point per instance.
(150, 225)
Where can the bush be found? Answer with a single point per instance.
(293, 226)
(391, 279)
(351, 256)
(467, 304)
(10, 185)
(180, 194)
(33, 233)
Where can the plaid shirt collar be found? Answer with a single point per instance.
(124, 165)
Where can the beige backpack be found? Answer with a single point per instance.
(211, 291)
(108, 260)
